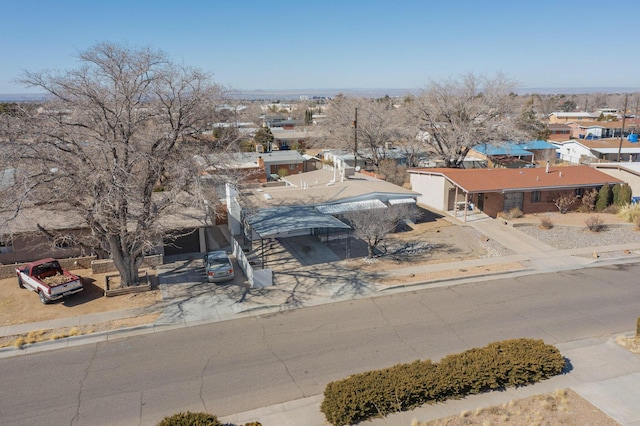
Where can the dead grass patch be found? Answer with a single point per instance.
(562, 407)
(32, 337)
(631, 343)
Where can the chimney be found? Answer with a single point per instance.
(546, 170)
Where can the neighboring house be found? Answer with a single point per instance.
(22, 241)
(627, 172)
(559, 132)
(292, 139)
(565, 117)
(514, 155)
(284, 163)
(587, 151)
(597, 129)
(492, 191)
(364, 162)
(279, 121)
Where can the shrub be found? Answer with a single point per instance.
(376, 393)
(638, 327)
(546, 222)
(604, 198)
(621, 194)
(594, 223)
(515, 213)
(191, 419)
(630, 213)
(611, 209)
(588, 202)
(564, 202)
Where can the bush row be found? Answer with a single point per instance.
(498, 365)
(196, 419)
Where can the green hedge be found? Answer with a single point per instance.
(197, 419)
(191, 419)
(405, 386)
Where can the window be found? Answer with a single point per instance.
(536, 196)
(579, 192)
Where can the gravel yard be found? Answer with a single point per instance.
(571, 237)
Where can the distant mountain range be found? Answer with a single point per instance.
(297, 94)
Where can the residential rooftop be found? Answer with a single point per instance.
(321, 187)
(510, 180)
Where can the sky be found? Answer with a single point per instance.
(337, 44)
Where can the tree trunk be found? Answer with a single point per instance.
(126, 264)
(370, 249)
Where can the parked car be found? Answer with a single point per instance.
(47, 278)
(218, 266)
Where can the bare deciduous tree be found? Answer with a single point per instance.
(564, 202)
(114, 144)
(455, 115)
(374, 225)
(378, 124)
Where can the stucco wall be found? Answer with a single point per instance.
(432, 190)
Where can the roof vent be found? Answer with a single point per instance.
(560, 174)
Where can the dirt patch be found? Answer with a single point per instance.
(453, 273)
(19, 306)
(559, 408)
(429, 243)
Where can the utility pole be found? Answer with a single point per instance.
(624, 115)
(355, 141)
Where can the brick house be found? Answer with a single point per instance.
(493, 191)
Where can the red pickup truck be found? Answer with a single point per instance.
(47, 278)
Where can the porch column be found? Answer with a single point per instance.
(466, 204)
(455, 204)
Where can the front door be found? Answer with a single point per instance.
(480, 201)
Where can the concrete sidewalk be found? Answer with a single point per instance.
(602, 372)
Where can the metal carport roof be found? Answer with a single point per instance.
(340, 208)
(269, 223)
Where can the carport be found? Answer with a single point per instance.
(291, 221)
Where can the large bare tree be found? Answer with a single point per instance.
(114, 144)
(455, 115)
(378, 123)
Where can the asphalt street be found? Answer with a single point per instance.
(233, 366)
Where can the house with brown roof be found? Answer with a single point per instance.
(559, 132)
(492, 191)
(565, 117)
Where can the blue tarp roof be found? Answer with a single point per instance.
(513, 148)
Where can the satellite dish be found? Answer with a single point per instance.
(357, 168)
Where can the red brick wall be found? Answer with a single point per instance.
(494, 202)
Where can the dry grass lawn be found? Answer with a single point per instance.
(21, 306)
(563, 407)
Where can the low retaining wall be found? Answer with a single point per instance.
(97, 266)
(103, 266)
(74, 263)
